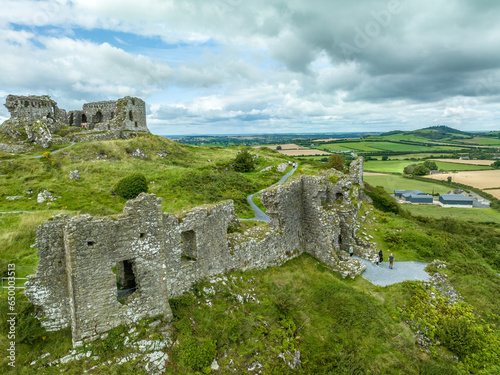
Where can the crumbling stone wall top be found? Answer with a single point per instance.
(33, 107)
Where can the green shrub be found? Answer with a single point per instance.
(382, 200)
(180, 302)
(458, 335)
(131, 186)
(198, 354)
(244, 162)
(336, 161)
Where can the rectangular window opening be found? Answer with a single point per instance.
(188, 246)
(126, 284)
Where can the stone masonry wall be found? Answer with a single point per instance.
(75, 284)
(127, 113)
(33, 107)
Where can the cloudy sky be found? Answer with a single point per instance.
(262, 66)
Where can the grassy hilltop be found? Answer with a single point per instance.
(258, 320)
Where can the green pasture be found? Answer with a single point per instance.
(396, 182)
(397, 166)
(383, 146)
(478, 215)
(484, 141)
(347, 146)
(404, 137)
(422, 156)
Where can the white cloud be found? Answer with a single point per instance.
(261, 64)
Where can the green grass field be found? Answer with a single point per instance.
(397, 166)
(395, 182)
(484, 141)
(478, 215)
(405, 137)
(382, 146)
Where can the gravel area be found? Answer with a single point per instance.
(382, 275)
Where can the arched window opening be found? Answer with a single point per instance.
(98, 117)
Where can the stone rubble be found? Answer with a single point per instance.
(74, 175)
(45, 196)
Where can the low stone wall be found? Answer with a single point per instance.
(163, 255)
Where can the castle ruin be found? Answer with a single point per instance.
(123, 114)
(84, 261)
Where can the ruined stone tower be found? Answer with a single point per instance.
(127, 113)
(34, 108)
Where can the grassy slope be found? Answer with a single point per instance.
(339, 326)
(473, 215)
(189, 176)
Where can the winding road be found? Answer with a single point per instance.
(259, 214)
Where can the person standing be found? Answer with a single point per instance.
(380, 256)
(391, 261)
(351, 250)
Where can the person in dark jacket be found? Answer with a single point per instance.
(380, 256)
(391, 261)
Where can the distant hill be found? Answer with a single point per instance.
(439, 132)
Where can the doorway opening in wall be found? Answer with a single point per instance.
(126, 284)
(130, 116)
(98, 117)
(84, 118)
(71, 120)
(189, 251)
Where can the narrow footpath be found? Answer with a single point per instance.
(259, 214)
(53, 152)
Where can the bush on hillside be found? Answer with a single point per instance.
(131, 186)
(382, 200)
(244, 162)
(336, 161)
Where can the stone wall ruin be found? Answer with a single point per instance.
(33, 108)
(127, 113)
(158, 255)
